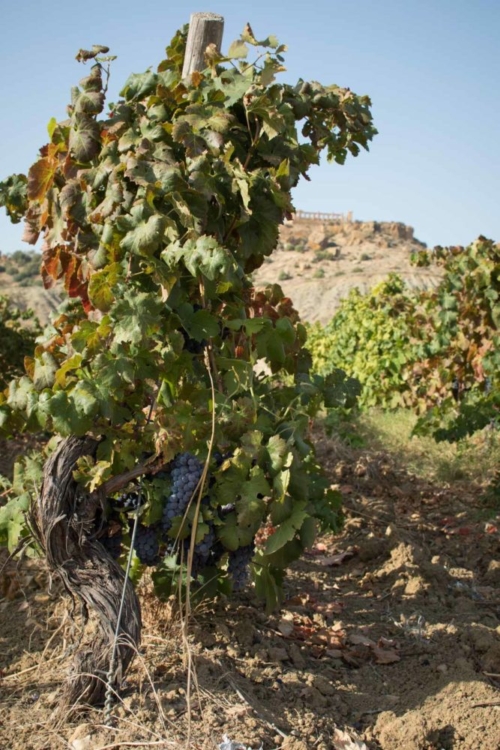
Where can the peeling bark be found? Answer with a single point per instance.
(62, 520)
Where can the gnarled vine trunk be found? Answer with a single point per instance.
(62, 519)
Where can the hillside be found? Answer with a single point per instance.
(318, 261)
(20, 281)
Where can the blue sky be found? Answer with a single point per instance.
(431, 68)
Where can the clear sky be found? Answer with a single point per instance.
(431, 68)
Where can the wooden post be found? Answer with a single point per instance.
(204, 29)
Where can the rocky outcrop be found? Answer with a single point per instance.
(318, 262)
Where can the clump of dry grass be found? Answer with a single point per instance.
(473, 459)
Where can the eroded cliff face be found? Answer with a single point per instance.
(317, 263)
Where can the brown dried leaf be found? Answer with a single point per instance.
(335, 559)
(357, 639)
(387, 643)
(286, 627)
(329, 608)
(385, 656)
(334, 653)
(342, 741)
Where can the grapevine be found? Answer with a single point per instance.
(433, 351)
(153, 217)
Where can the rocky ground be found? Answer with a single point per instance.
(388, 639)
(318, 263)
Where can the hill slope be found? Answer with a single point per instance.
(317, 263)
(20, 281)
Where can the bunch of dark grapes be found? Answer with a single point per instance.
(146, 545)
(185, 475)
(219, 457)
(129, 501)
(203, 549)
(113, 543)
(191, 345)
(238, 566)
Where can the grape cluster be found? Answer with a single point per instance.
(113, 544)
(191, 345)
(238, 566)
(185, 474)
(146, 545)
(203, 549)
(219, 457)
(129, 501)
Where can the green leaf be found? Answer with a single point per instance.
(65, 418)
(237, 374)
(51, 126)
(278, 451)
(84, 138)
(45, 371)
(101, 285)
(12, 520)
(147, 237)
(232, 535)
(287, 530)
(139, 85)
(250, 507)
(21, 393)
(135, 316)
(268, 585)
(203, 256)
(200, 325)
(237, 50)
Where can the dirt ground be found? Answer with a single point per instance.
(389, 639)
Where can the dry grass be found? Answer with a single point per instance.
(473, 460)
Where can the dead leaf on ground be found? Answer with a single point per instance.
(336, 559)
(328, 609)
(285, 627)
(343, 741)
(385, 656)
(357, 639)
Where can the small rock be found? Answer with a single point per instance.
(491, 659)
(371, 549)
(415, 586)
(442, 668)
(314, 698)
(492, 574)
(296, 656)
(223, 630)
(260, 654)
(463, 665)
(324, 686)
(482, 638)
(244, 633)
(278, 654)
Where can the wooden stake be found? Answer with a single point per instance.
(204, 29)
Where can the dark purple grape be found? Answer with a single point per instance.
(146, 545)
(185, 473)
(238, 566)
(113, 543)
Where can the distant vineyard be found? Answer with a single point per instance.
(436, 351)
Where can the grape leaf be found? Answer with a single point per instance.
(287, 530)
